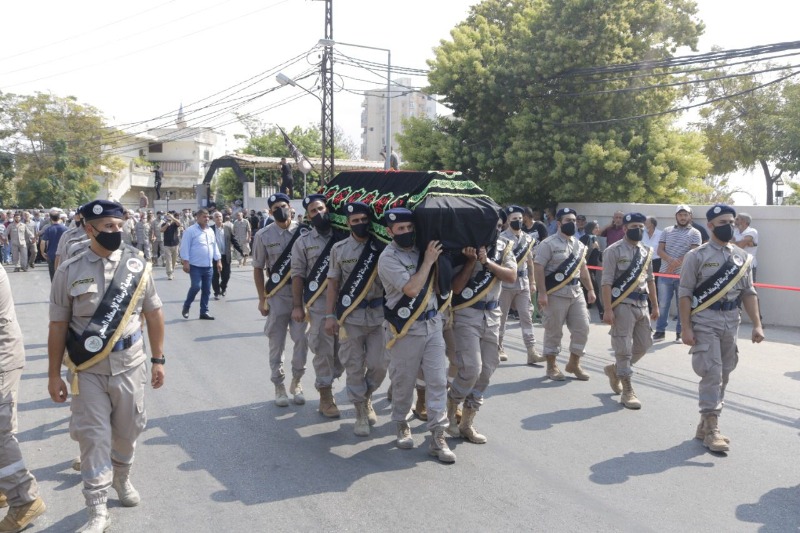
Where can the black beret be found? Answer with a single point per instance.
(565, 211)
(514, 209)
(357, 208)
(398, 214)
(634, 217)
(313, 198)
(719, 209)
(503, 215)
(101, 209)
(278, 197)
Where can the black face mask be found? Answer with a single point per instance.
(634, 234)
(322, 222)
(406, 240)
(360, 230)
(568, 229)
(724, 233)
(110, 241)
(516, 225)
(281, 214)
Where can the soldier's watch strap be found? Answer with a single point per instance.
(158, 361)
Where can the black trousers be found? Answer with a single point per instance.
(221, 285)
(158, 189)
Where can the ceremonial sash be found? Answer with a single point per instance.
(408, 310)
(280, 272)
(358, 283)
(112, 315)
(722, 281)
(564, 273)
(521, 250)
(630, 279)
(480, 284)
(318, 279)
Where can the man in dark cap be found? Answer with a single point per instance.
(559, 267)
(272, 251)
(310, 259)
(627, 284)
(97, 301)
(716, 280)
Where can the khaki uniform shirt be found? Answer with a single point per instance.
(305, 252)
(616, 260)
(344, 259)
(12, 347)
(522, 274)
(474, 316)
(395, 268)
(78, 288)
(68, 238)
(268, 245)
(553, 251)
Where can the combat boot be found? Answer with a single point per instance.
(420, 410)
(128, 495)
(553, 372)
(3, 500)
(468, 431)
(372, 416)
(714, 440)
(611, 372)
(700, 434)
(439, 447)
(574, 367)
(534, 357)
(281, 399)
(99, 519)
(452, 407)
(76, 464)
(297, 392)
(404, 440)
(361, 428)
(503, 355)
(327, 405)
(629, 398)
(21, 516)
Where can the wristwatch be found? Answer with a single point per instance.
(157, 361)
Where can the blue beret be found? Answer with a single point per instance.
(101, 209)
(398, 214)
(278, 197)
(565, 211)
(313, 198)
(357, 208)
(719, 209)
(514, 209)
(634, 217)
(503, 215)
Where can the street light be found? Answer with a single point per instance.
(283, 79)
(387, 147)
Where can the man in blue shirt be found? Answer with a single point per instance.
(49, 240)
(200, 254)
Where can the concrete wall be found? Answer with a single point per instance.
(778, 255)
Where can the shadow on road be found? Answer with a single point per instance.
(548, 420)
(778, 510)
(793, 375)
(620, 469)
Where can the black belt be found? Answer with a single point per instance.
(372, 304)
(486, 306)
(127, 342)
(574, 281)
(521, 273)
(637, 296)
(427, 315)
(726, 305)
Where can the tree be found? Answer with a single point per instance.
(754, 124)
(794, 197)
(527, 120)
(57, 147)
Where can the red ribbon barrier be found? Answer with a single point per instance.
(758, 285)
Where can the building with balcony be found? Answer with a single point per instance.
(406, 102)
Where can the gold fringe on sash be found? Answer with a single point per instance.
(354, 305)
(413, 318)
(479, 296)
(726, 288)
(638, 281)
(574, 274)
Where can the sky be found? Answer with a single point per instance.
(138, 62)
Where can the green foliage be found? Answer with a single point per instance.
(56, 145)
(521, 121)
(792, 198)
(227, 184)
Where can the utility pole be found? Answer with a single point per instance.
(327, 97)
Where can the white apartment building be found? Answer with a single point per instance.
(405, 103)
(183, 153)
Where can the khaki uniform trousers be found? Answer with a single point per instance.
(363, 354)
(714, 357)
(170, 258)
(107, 417)
(19, 256)
(477, 357)
(323, 346)
(573, 312)
(450, 348)
(419, 350)
(631, 336)
(16, 481)
(521, 298)
(278, 322)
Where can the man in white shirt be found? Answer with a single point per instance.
(651, 236)
(746, 238)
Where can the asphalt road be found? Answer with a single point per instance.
(217, 455)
